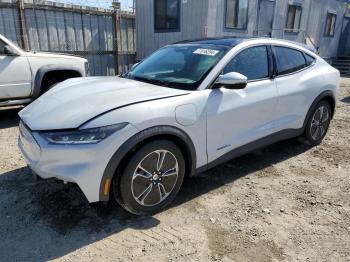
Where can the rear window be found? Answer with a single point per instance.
(309, 59)
(288, 60)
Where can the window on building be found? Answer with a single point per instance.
(167, 15)
(236, 13)
(330, 24)
(293, 18)
(252, 62)
(288, 60)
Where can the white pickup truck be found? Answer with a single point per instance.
(24, 76)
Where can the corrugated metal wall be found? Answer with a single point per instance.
(127, 43)
(9, 24)
(88, 32)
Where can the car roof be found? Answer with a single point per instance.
(233, 41)
(223, 41)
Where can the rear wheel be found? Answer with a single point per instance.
(318, 123)
(151, 179)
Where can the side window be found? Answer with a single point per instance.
(309, 59)
(288, 60)
(166, 15)
(252, 62)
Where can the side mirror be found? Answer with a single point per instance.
(231, 80)
(9, 51)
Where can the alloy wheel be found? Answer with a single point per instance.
(155, 178)
(319, 123)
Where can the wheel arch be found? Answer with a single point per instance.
(326, 95)
(42, 71)
(119, 159)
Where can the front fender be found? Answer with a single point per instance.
(140, 138)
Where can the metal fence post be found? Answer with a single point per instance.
(116, 35)
(22, 25)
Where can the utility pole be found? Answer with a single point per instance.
(22, 25)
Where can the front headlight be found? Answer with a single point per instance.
(82, 136)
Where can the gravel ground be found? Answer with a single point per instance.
(286, 202)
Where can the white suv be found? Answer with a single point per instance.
(24, 76)
(184, 109)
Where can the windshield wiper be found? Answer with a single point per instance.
(152, 81)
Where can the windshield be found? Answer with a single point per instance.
(179, 66)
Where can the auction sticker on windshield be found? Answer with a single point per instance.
(208, 52)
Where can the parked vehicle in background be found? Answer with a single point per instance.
(24, 76)
(184, 109)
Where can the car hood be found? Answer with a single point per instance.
(74, 102)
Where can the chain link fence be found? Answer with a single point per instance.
(104, 36)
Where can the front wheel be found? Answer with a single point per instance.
(318, 123)
(151, 179)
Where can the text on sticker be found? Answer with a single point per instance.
(209, 52)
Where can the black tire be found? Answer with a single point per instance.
(318, 123)
(145, 193)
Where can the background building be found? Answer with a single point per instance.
(321, 23)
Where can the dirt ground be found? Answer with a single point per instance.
(286, 202)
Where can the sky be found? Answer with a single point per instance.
(125, 4)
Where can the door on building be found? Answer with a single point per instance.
(266, 14)
(344, 43)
